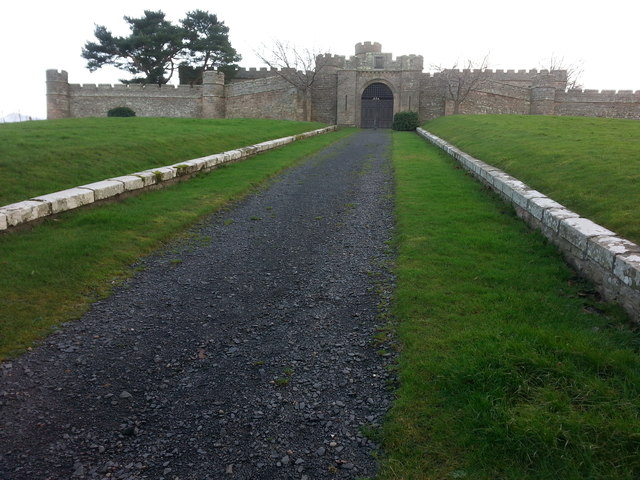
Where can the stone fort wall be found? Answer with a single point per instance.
(336, 93)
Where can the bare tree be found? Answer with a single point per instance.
(459, 83)
(297, 66)
(574, 70)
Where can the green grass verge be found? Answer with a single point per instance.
(37, 158)
(51, 273)
(590, 165)
(509, 367)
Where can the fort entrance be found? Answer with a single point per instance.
(377, 106)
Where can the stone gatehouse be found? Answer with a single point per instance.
(363, 90)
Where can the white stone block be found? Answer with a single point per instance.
(105, 189)
(494, 177)
(25, 211)
(147, 177)
(3, 221)
(67, 199)
(248, 151)
(537, 206)
(522, 196)
(604, 249)
(129, 182)
(189, 166)
(508, 185)
(213, 160)
(578, 230)
(553, 216)
(627, 269)
(232, 155)
(161, 174)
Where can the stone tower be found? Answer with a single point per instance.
(373, 86)
(58, 103)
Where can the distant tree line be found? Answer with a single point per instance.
(156, 48)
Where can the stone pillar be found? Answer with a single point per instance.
(543, 94)
(213, 98)
(347, 101)
(58, 104)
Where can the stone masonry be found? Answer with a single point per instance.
(339, 95)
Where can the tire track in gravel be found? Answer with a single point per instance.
(242, 352)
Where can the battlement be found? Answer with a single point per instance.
(57, 76)
(603, 95)
(368, 47)
(329, 60)
(264, 92)
(86, 87)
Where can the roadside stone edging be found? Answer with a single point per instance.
(37, 208)
(610, 261)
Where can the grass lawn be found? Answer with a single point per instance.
(509, 367)
(42, 157)
(51, 273)
(590, 165)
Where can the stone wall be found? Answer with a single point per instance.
(336, 93)
(75, 100)
(610, 262)
(592, 103)
(268, 97)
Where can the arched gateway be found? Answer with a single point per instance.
(377, 106)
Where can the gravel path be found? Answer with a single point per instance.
(245, 351)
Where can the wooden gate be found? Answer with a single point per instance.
(377, 106)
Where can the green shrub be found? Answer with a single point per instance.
(405, 121)
(121, 112)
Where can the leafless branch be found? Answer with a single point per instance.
(459, 83)
(574, 70)
(298, 66)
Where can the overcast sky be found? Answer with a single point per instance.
(603, 38)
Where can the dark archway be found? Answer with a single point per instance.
(377, 106)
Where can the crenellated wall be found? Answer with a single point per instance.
(75, 100)
(337, 91)
(267, 97)
(594, 103)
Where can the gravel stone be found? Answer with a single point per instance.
(250, 357)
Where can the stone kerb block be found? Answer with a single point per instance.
(603, 250)
(212, 160)
(467, 161)
(67, 199)
(491, 176)
(25, 211)
(232, 155)
(627, 268)
(157, 175)
(129, 182)
(537, 206)
(105, 189)
(522, 196)
(511, 187)
(189, 166)
(248, 151)
(553, 216)
(147, 177)
(3, 221)
(577, 231)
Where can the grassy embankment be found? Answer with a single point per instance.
(51, 273)
(509, 368)
(590, 165)
(43, 157)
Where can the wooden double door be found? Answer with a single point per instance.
(377, 106)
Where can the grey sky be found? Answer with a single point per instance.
(35, 36)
